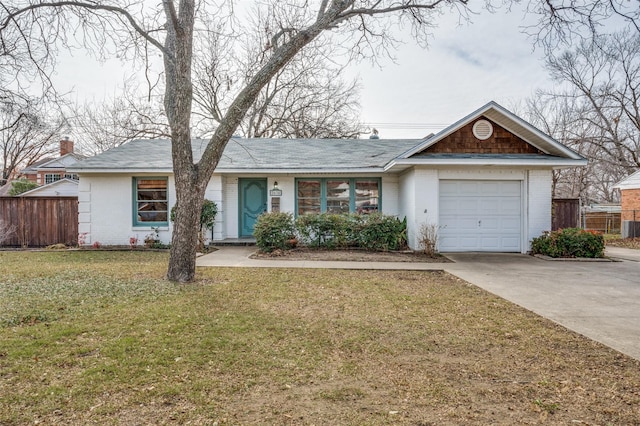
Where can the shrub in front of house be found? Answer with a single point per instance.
(274, 231)
(327, 230)
(374, 231)
(569, 242)
(382, 232)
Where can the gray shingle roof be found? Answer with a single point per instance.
(257, 154)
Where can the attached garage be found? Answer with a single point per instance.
(480, 216)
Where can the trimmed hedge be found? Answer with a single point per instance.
(569, 242)
(327, 230)
(331, 231)
(382, 233)
(274, 231)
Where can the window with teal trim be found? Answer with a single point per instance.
(309, 196)
(151, 202)
(367, 193)
(337, 195)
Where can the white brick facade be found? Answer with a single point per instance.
(539, 203)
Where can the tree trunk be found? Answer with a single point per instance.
(177, 100)
(184, 242)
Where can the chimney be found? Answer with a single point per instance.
(66, 146)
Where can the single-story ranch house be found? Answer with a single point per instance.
(485, 182)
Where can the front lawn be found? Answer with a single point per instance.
(100, 337)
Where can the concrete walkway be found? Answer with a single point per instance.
(600, 300)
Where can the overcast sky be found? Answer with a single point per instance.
(465, 67)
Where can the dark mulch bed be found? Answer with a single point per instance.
(351, 255)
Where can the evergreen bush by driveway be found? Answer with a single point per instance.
(569, 242)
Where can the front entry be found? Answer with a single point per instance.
(253, 202)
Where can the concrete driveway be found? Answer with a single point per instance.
(600, 300)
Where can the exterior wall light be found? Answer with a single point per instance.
(275, 191)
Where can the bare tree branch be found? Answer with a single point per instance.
(600, 113)
(13, 14)
(27, 134)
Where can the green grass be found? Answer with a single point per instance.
(101, 337)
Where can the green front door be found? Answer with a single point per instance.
(253, 202)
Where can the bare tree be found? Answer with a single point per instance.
(111, 123)
(312, 102)
(561, 116)
(598, 114)
(308, 98)
(562, 22)
(26, 135)
(600, 107)
(133, 28)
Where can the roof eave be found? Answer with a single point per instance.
(306, 170)
(512, 118)
(401, 164)
(630, 182)
(49, 185)
(270, 171)
(119, 171)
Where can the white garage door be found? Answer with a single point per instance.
(480, 216)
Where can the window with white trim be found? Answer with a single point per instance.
(51, 177)
(337, 195)
(151, 202)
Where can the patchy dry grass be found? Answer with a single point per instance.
(617, 241)
(100, 337)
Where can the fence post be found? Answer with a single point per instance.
(22, 222)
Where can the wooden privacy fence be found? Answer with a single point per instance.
(566, 213)
(39, 221)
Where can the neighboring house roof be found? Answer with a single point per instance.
(59, 163)
(60, 188)
(33, 167)
(4, 189)
(257, 155)
(603, 208)
(630, 182)
(340, 155)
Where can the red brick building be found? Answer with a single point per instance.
(630, 200)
